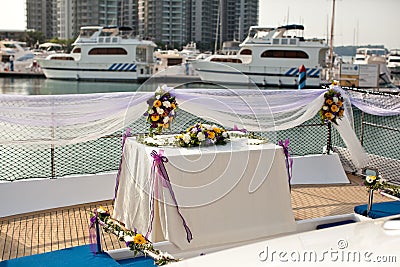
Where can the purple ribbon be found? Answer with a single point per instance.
(92, 231)
(124, 136)
(289, 159)
(159, 174)
(235, 128)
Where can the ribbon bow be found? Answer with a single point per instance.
(289, 159)
(93, 232)
(158, 171)
(235, 128)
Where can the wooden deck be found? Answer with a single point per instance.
(49, 230)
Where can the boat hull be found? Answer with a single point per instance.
(71, 70)
(234, 73)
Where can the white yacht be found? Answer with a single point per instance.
(103, 53)
(366, 55)
(22, 55)
(393, 61)
(269, 57)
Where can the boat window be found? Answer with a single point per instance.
(108, 51)
(284, 54)
(76, 50)
(61, 58)
(141, 54)
(174, 61)
(246, 52)
(394, 59)
(229, 60)
(87, 32)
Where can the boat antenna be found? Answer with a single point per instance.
(331, 39)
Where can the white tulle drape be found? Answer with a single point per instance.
(68, 119)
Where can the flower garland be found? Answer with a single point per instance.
(333, 108)
(203, 135)
(374, 182)
(161, 110)
(135, 241)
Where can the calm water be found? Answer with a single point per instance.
(37, 86)
(56, 87)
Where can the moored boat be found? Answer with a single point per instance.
(269, 57)
(393, 61)
(103, 53)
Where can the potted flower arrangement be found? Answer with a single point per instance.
(333, 108)
(202, 135)
(161, 110)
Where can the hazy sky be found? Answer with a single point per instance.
(357, 22)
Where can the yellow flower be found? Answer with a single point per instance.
(217, 130)
(211, 134)
(155, 117)
(102, 209)
(166, 126)
(340, 103)
(329, 101)
(341, 112)
(334, 108)
(157, 103)
(173, 105)
(329, 115)
(139, 239)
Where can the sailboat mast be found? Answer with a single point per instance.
(217, 28)
(331, 39)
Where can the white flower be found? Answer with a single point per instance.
(159, 90)
(186, 138)
(382, 181)
(325, 107)
(121, 233)
(101, 210)
(370, 179)
(194, 130)
(128, 238)
(172, 112)
(158, 97)
(151, 111)
(166, 120)
(165, 255)
(335, 99)
(166, 104)
(160, 111)
(207, 126)
(224, 134)
(201, 136)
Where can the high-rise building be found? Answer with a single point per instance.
(172, 22)
(163, 20)
(40, 16)
(216, 21)
(128, 14)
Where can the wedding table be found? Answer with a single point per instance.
(228, 193)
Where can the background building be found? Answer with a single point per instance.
(170, 22)
(41, 16)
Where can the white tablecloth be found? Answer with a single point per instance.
(225, 193)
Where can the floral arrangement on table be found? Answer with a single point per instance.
(332, 108)
(135, 241)
(202, 135)
(161, 110)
